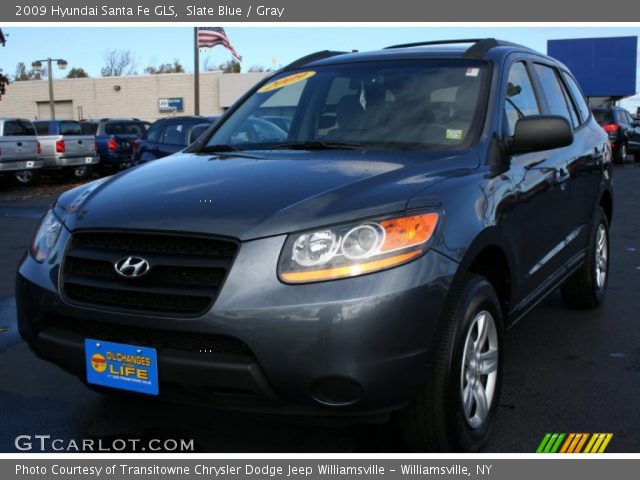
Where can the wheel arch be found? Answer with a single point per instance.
(492, 256)
(606, 202)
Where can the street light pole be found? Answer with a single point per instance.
(52, 104)
(37, 67)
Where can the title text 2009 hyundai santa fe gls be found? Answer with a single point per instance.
(364, 262)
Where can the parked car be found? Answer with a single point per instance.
(64, 147)
(367, 270)
(19, 150)
(114, 139)
(283, 122)
(623, 131)
(168, 136)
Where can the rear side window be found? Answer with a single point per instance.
(555, 94)
(175, 134)
(70, 128)
(89, 128)
(125, 128)
(521, 98)
(19, 128)
(627, 117)
(153, 135)
(578, 97)
(42, 128)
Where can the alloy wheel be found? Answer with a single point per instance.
(602, 257)
(479, 371)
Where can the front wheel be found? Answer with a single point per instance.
(586, 288)
(456, 408)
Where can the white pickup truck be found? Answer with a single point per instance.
(65, 148)
(19, 150)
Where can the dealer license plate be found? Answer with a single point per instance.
(117, 365)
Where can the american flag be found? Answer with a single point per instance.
(209, 37)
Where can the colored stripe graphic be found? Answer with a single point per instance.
(574, 443)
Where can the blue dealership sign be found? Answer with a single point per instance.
(604, 67)
(175, 104)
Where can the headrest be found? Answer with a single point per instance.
(350, 114)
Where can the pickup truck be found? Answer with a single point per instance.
(19, 150)
(65, 148)
(114, 139)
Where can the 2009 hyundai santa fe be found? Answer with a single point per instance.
(364, 261)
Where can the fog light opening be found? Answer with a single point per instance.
(336, 391)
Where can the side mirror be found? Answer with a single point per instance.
(196, 131)
(541, 132)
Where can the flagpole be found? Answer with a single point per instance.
(196, 73)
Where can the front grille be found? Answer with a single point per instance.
(161, 340)
(185, 275)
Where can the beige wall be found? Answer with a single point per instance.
(138, 95)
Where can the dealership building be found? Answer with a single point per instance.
(147, 97)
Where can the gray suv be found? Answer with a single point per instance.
(364, 262)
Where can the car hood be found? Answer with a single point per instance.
(258, 194)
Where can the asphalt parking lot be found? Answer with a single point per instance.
(565, 371)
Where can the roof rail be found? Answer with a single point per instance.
(479, 47)
(108, 119)
(435, 42)
(311, 58)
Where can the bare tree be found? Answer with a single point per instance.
(258, 68)
(77, 72)
(175, 67)
(118, 63)
(23, 74)
(208, 66)
(230, 66)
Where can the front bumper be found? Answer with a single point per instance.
(353, 346)
(61, 161)
(19, 165)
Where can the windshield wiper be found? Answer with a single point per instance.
(219, 148)
(319, 145)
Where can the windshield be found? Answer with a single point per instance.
(399, 104)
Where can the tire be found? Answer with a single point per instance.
(620, 154)
(79, 173)
(586, 288)
(436, 420)
(636, 157)
(26, 178)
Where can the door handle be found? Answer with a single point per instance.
(19, 144)
(562, 176)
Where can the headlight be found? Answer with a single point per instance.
(356, 249)
(46, 237)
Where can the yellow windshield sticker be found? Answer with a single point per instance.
(454, 134)
(286, 81)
